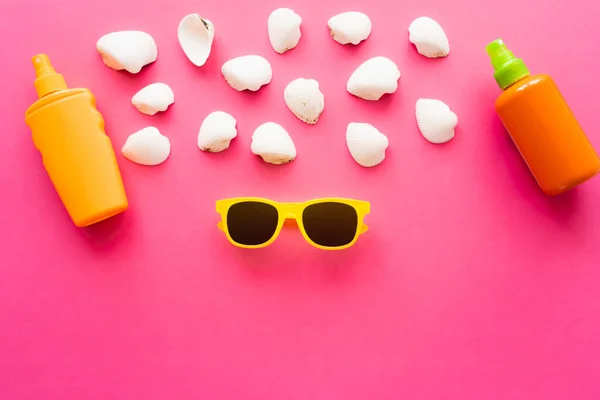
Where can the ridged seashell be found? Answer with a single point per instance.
(196, 36)
(247, 72)
(366, 144)
(147, 147)
(374, 78)
(284, 29)
(273, 144)
(128, 50)
(429, 38)
(349, 27)
(304, 99)
(435, 120)
(216, 132)
(153, 98)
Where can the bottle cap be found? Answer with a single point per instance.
(47, 80)
(508, 69)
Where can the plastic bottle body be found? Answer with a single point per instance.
(68, 131)
(547, 134)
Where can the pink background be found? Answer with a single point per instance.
(470, 284)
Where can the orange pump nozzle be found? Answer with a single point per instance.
(47, 80)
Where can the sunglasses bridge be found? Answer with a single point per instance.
(289, 211)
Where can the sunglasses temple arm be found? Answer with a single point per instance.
(220, 225)
(364, 228)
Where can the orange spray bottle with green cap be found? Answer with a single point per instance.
(68, 131)
(541, 124)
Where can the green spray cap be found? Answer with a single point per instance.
(508, 69)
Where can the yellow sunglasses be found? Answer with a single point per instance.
(328, 224)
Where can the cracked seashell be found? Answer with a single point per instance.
(147, 147)
(374, 78)
(128, 50)
(247, 72)
(153, 98)
(196, 35)
(284, 29)
(429, 38)
(216, 132)
(273, 144)
(349, 27)
(304, 99)
(366, 144)
(435, 120)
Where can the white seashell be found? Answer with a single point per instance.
(128, 50)
(284, 29)
(374, 78)
(153, 98)
(429, 38)
(435, 120)
(247, 72)
(349, 27)
(147, 147)
(196, 36)
(304, 99)
(273, 144)
(366, 144)
(216, 132)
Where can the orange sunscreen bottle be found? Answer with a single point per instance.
(541, 124)
(78, 156)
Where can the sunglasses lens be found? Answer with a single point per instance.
(330, 224)
(252, 223)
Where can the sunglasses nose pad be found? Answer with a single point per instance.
(290, 222)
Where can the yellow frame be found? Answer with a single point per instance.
(294, 211)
